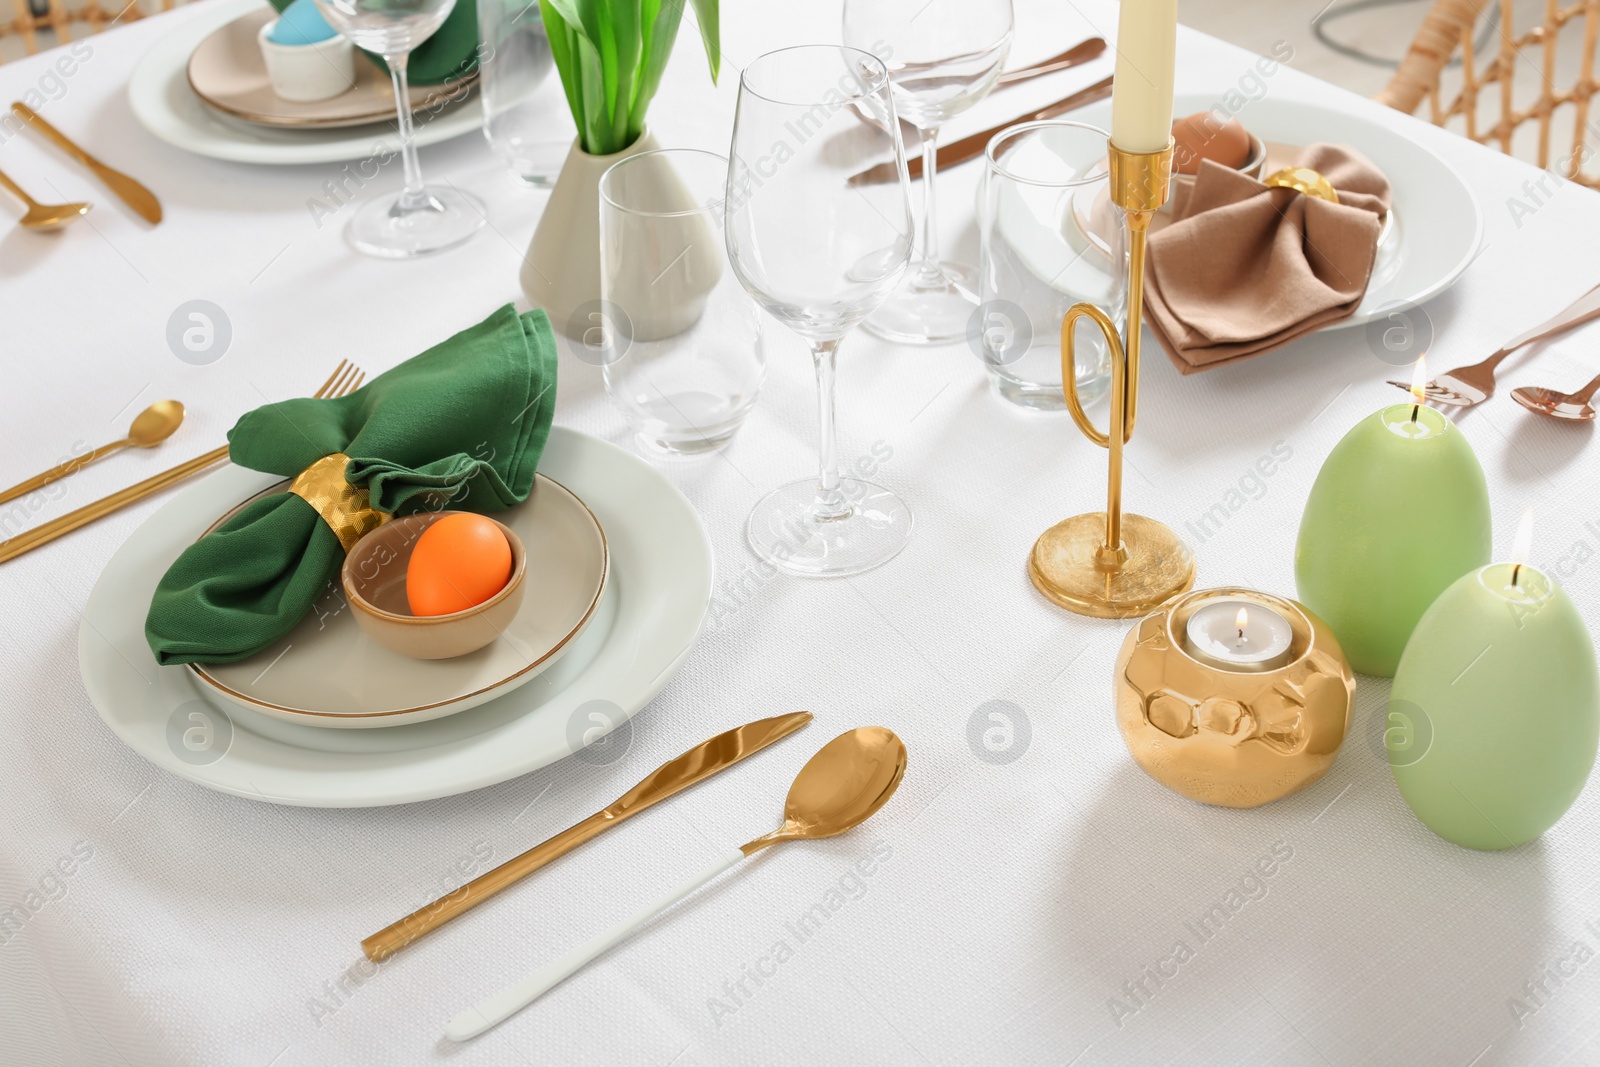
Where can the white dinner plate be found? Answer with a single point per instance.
(166, 105)
(654, 606)
(328, 672)
(1438, 223)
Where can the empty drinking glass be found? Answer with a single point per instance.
(422, 218)
(1051, 238)
(943, 56)
(683, 353)
(530, 130)
(819, 254)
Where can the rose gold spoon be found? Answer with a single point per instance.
(1573, 407)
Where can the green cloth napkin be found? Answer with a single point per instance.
(451, 53)
(466, 422)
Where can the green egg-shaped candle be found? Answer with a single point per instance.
(1398, 512)
(1494, 714)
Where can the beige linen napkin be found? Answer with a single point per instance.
(1245, 268)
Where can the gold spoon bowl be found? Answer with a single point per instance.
(44, 216)
(839, 788)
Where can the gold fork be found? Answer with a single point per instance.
(346, 378)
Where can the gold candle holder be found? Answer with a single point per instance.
(1106, 563)
(1237, 737)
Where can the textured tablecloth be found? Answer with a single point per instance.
(1019, 905)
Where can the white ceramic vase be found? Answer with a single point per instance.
(561, 272)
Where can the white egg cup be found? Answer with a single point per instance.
(306, 73)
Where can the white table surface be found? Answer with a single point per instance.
(1007, 904)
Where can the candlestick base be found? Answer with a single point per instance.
(1072, 567)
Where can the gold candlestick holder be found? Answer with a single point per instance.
(1106, 563)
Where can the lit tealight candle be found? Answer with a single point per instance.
(1239, 635)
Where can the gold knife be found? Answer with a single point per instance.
(972, 146)
(669, 779)
(136, 196)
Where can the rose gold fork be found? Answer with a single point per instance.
(1465, 387)
(346, 378)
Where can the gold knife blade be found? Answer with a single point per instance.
(972, 146)
(673, 777)
(136, 196)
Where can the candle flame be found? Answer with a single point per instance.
(1242, 620)
(1419, 380)
(1522, 547)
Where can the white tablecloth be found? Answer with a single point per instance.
(1010, 910)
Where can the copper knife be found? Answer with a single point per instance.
(669, 779)
(136, 196)
(972, 146)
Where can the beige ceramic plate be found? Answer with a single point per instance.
(227, 72)
(327, 672)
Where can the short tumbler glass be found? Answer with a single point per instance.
(683, 354)
(526, 126)
(1050, 238)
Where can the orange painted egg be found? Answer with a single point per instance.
(1209, 135)
(458, 562)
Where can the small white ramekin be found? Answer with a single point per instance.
(305, 73)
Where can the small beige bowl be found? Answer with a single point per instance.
(1253, 167)
(374, 580)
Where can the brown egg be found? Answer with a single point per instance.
(1208, 135)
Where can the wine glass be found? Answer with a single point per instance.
(820, 254)
(422, 218)
(943, 56)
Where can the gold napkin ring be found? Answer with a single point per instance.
(1303, 180)
(344, 507)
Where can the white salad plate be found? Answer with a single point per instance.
(329, 672)
(647, 622)
(1437, 223)
(165, 104)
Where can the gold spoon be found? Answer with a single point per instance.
(152, 426)
(1574, 407)
(44, 216)
(839, 788)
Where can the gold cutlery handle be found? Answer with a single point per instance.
(59, 471)
(32, 539)
(27, 114)
(16, 190)
(391, 939)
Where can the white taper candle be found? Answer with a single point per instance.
(1141, 99)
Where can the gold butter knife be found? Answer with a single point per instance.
(669, 779)
(136, 196)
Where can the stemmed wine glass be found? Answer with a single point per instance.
(820, 255)
(943, 56)
(422, 218)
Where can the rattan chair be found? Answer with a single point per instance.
(1483, 105)
(61, 22)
